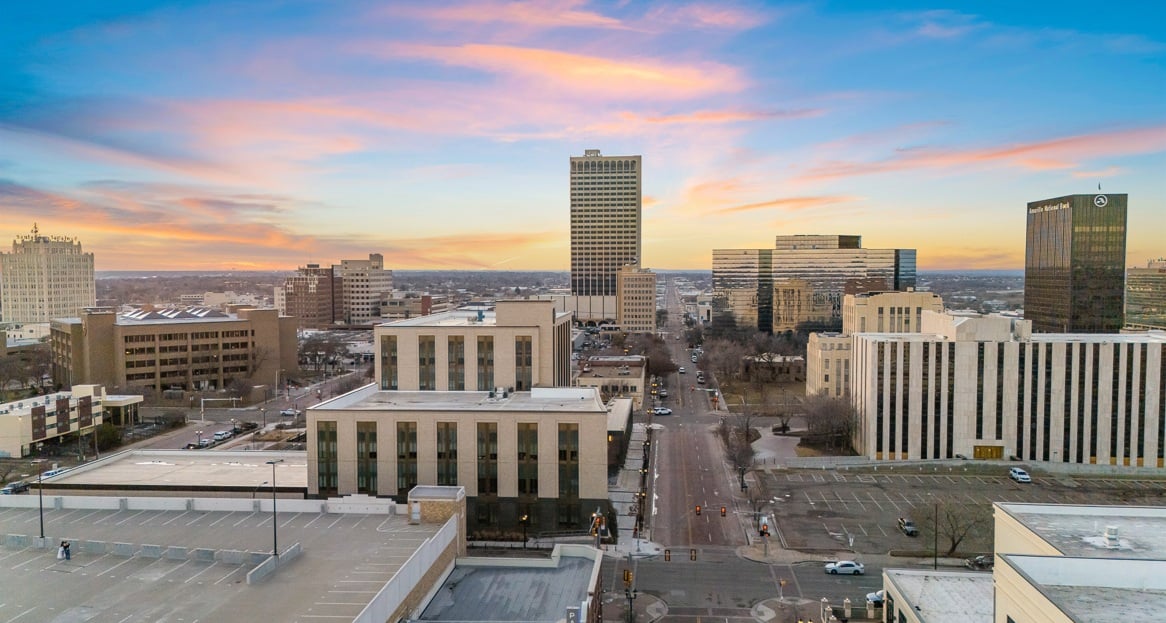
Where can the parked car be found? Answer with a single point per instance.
(203, 443)
(662, 411)
(289, 412)
(681, 370)
(984, 562)
(13, 488)
(845, 567)
(663, 393)
(908, 527)
(877, 598)
(222, 435)
(1019, 475)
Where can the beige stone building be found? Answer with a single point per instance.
(828, 353)
(45, 277)
(636, 300)
(540, 453)
(518, 345)
(616, 377)
(364, 284)
(152, 351)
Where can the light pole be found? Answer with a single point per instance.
(234, 427)
(935, 541)
(199, 434)
(274, 512)
(263, 412)
(40, 495)
(256, 489)
(525, 520)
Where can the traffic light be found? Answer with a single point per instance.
(764, 530)
(723, 511)
(698, 509)
(627, 577)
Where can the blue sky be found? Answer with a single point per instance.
(271, 134)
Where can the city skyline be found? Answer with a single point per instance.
(217, 136)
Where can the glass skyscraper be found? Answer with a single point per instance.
(1074, 264)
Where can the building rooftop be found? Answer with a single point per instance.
(521, 590)
(371, 398)
(617, 360)
(187, 470)
(1081, 530)
(618, 413)
(946, 596)
(1088, 589)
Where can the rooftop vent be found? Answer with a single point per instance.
(1111, 533)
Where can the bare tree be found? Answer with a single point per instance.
(831, 420)
(737, 435)
(956, 523)
(723, 358)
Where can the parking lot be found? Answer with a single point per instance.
(858, 509)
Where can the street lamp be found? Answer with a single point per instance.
(263, 412)
(40, 495)
(631, 595)
(274, 512)
(234, 428)
(199, 434)
(524, 520)
(256, 489)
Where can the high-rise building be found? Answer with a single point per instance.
(45, 277)
(1074, 264)
(605, 220)
(636, 296)
(311, 296)
(799, 284)
(364, 284)
(1146, 296)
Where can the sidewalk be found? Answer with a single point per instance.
(624, 495)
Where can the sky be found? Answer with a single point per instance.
(264, 135)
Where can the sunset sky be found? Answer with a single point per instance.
(266, 135)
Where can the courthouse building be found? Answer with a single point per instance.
(987, 387)
(540, 453)
(45, 277)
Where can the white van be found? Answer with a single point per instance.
(223, 434)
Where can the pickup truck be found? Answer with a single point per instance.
(908, 527)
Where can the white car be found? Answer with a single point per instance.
(876, 597)
(681, 370)
(662, 411)
(845, 567)
(289, 412)
(1019, 475)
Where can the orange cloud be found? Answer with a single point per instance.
(1057, 153)
(791, 204)
(580, 75)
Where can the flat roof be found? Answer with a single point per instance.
(618, 413)
(188, 469)
(946, 596)
(490, 591)
(371, 398)
(346, 559)
(1090, 589)
(1079, 530)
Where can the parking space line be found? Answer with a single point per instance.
(176, 518)
(872, 499)
(236, 524)
(124, 562)
(293, 518)
(861, 506)
(224, 578)
(333, 524)
(82, 517)
(208, 568)
(129, 518)
(153, 517)
(195, 520)
(221, 519)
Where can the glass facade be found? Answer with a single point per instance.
(1074, 265)
(799, 284)
(1146, 296)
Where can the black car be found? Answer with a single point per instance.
(13, 488)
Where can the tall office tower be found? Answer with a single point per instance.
(312, 296)
(1146, 296)
(799, 284)
(1074, 264)
(45, 277)
(605, 220)
(364, 284)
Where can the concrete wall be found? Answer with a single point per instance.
(415, 579)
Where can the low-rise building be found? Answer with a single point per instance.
(31, 423)
(516, 345)
(616, 377)
(183, 349)
(540, 453)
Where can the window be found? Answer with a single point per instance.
(485, 362)
(528, 459)
(389, 362)
(406, 457)
(327, 464)
(447, 453)
(487, 458)
(366, 457)
(427, 363)
(456, 347)
(568, 506)
(523, 362)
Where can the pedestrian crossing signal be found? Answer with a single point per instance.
(723, 511)
(698, 509)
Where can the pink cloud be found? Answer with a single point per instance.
(791, 204)
(547, 14)
(718, 16)
(1106, 172)
(1058, 153)
(578, 75)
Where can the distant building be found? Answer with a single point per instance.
(798, 285)
(45, 277)
(1074, 264)
(517, 345)
(636, 300)
(312, 296)
(190, 349)
(606, 205)
(412, 305)
(1146, 296)
(986, 387)
(540, 453)
(828, 353)
(364, 284)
